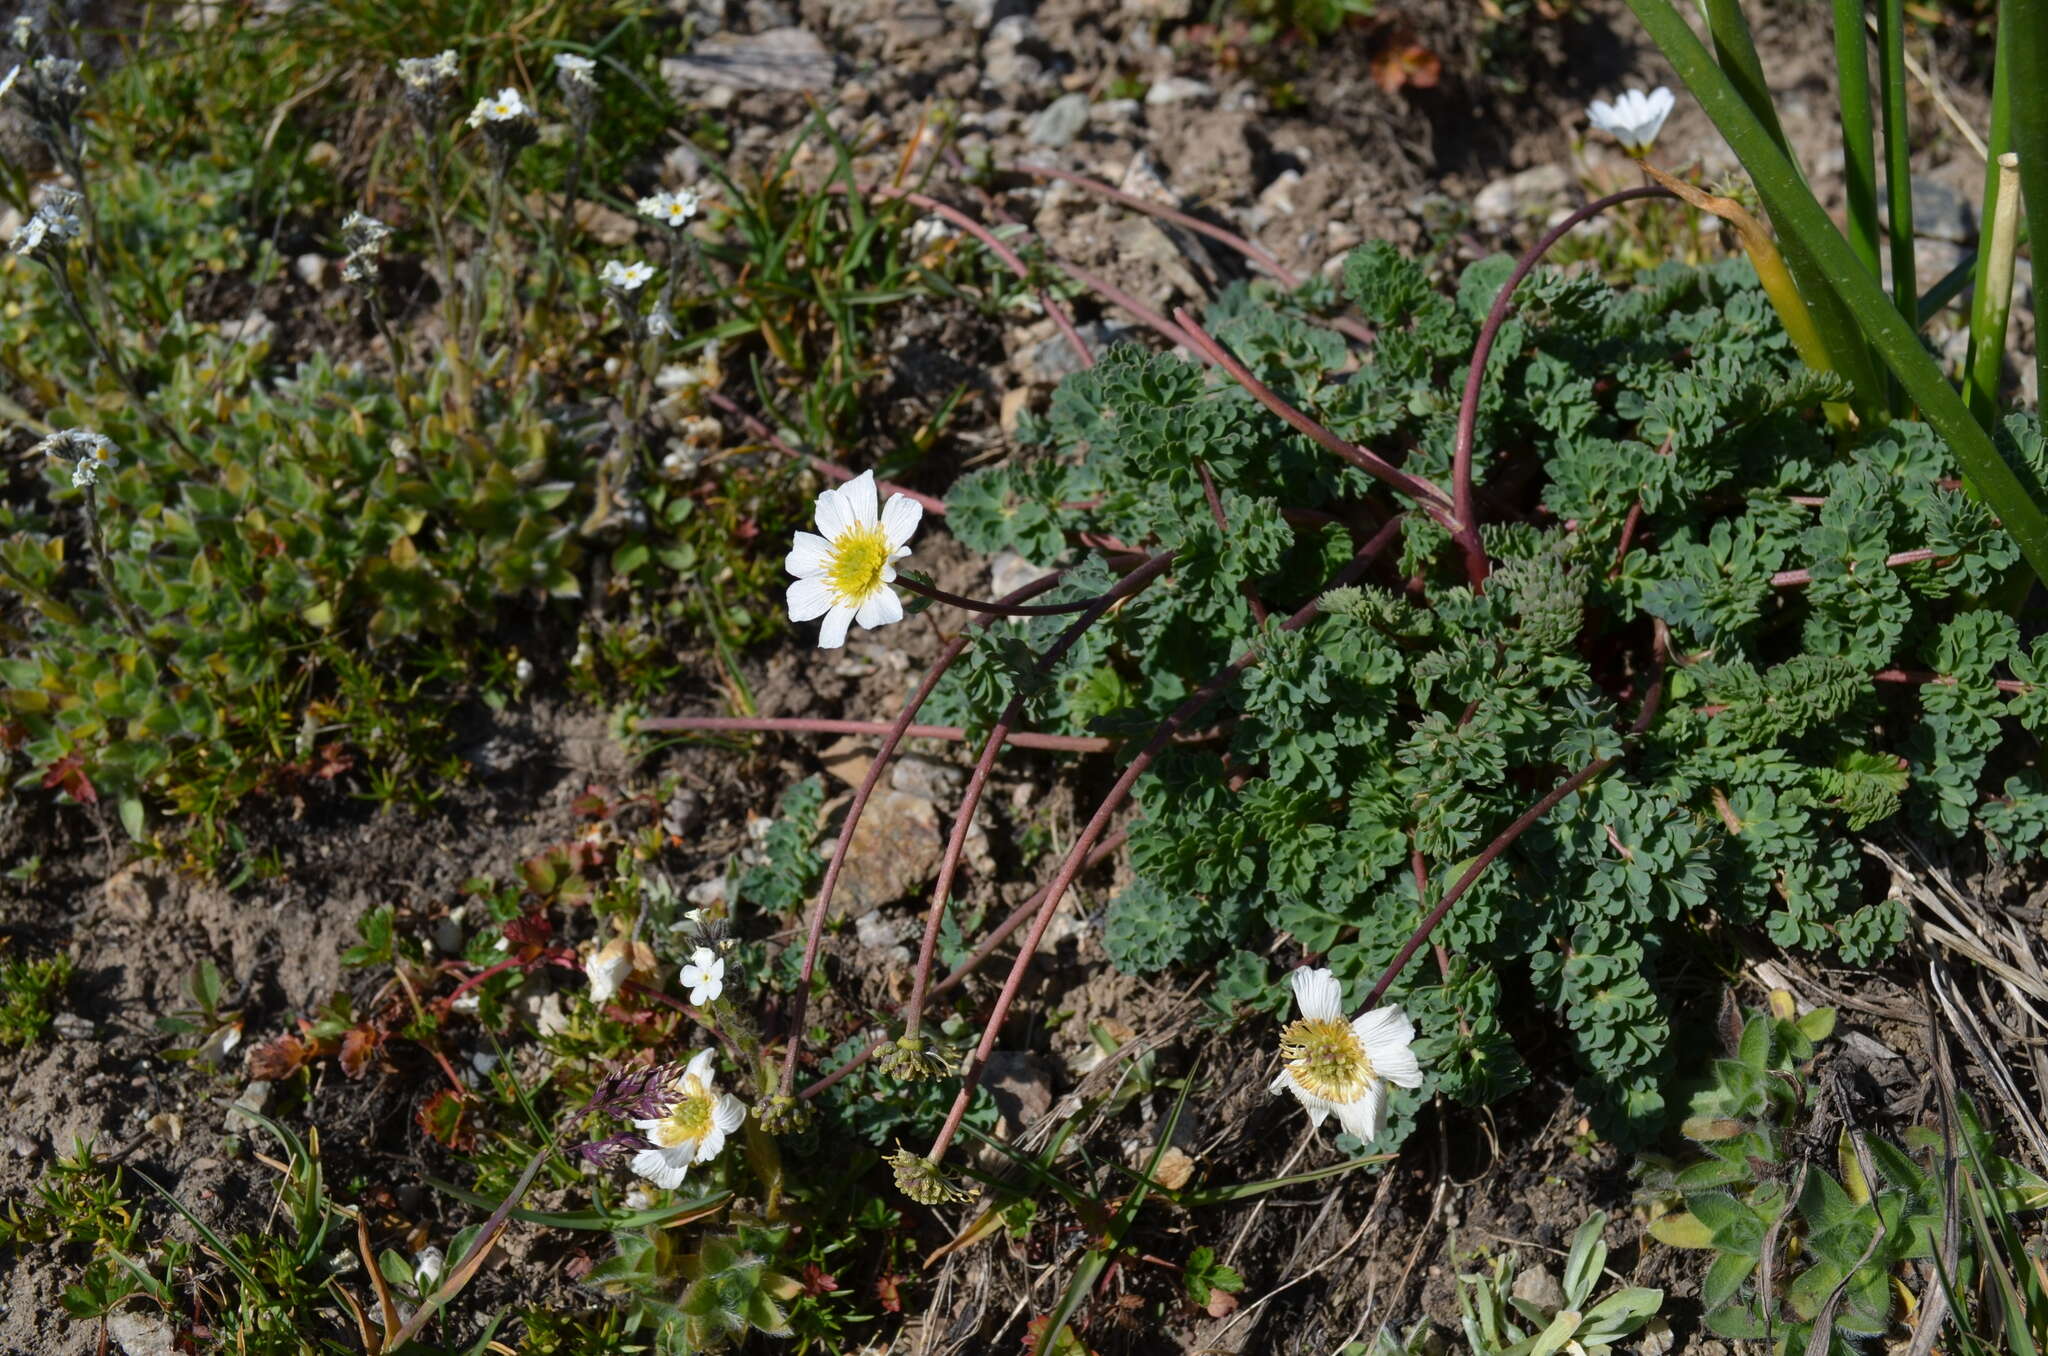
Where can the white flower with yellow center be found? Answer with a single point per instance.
(504, 106)
(844, 574)
(626, 277)
(704, 975)
(1344, 1066)
(671, 209)
(1634, 119)
(694, 1129)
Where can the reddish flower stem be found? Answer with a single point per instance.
(1098, 824)
(990, 944)
(1023, 739)
(816, 927)
(939, 595)
(1505, 840)
(1433, 500)
(963, 820)
(1463, 511)
(1923, 677)
(1792, 579)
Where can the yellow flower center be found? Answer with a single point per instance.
(854, 569)
(1326, 1059)
(688, 1121)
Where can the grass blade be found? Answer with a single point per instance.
(1800, 216)
(2026, 61)
(1859, 148)
(1993, 303)
(1898, 152)
(1736, 50)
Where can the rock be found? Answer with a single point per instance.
(26, 1146)
(1011, 413)
(1060, 121)
(141, 1334)
(908, 25)
(1051, 360)
(132, 892)
(1178, 89)
(1538, 1287)
(787, 59)
(1115, 112)
(848, 759)
(1009, 572)
(72, 1027)
(894, 853)
(166, 1125)
(253, 328)
(1277, 199)
(551, 1020)
(1004, 62)
(928, 780)
(255, 1097)
(886, 936)
(1940, 212)
(1020, 1081)
(312, 270)
(1531, 193)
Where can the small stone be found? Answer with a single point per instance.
(1060, 121)
(894, 853)
(705, 893)
(1051, 360)
(312, 270)
(1277, 199)
(928, 780)
(1009, 572)
(25, 1146)
(167, 1126)
(1941, 212)
(253, 328)
(1531, 193)
(72, 1027)
(132, 892)
(1538, 1287)
(907, 27)
(848, 759)
(1115, 112)
(1011, 413)
(787, 59)
(1178, 89)
(1020, 1081)
(139, 1333)
(887, 937)
(551, 1020)
(255, 1097)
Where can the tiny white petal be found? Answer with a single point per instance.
(1320, 995)
(834, 514)
(808, 555)
(832, 633)
(879, 609)
(900, 517)
(810, 598)
(861, 499)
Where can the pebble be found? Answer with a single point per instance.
(787, 59)
(255, 1097)
(72, 1027)
(1178, 89)
(312, 270)
(928, 780)
(894, 853)
(1060, 121)
(1532, 192)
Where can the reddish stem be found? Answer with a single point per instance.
(1432, 499)
(1023, 739)
(1792, 579)
(963, 821)
(1922, 676)
(816, 929)
(1628, 536)
(1466, 530)
(1098, 824)
(939, 595)
(990, 944)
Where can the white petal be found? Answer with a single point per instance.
(1285, 1080)
(1366, 1118)
(711, 1145)
(834, 514)
(808, 556)
(657, 1167)
(881, 607)
(1602, 114)
(859, 495)
(700, 1066)
(728, 1113)
(832, 634)
(1320, 995)
(1386, 1033)
(900, 517)
(809, 598)
(647, 1124)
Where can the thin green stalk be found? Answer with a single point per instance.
(1993, 303)
(1735, 48)
(1797, 213)
(1859, 148)
(104, 568)
(1898, 154)
(2027, 63)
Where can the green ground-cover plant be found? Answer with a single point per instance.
(31, 987)
(1810, 1241)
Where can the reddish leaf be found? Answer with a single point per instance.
(68, 775)
(333, 761)
(531, 929)
(818, 1281)
(888, 1291)
(1402, 61)
(445, 1116)
(280, 1057)
(357, 1045)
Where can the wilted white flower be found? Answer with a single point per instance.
(1634, 119)
(427, 73)
(613, 964)
(54, 224)
(844, 574)
(671, 209)
(522, 671)
(704, 976)
(504, 106)
(626, 277)
(571, 69)
(693, 1129)
(89, 453)
(1344, 1066)
(427, 1266)
(659, 324)
(361, 231)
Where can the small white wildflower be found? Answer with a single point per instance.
(637, 1198)
(844, 574)
(659, 324)
(626, 277)
(361, 231)
(88, 453)
(694, 1128)
(23, 31)
(522, 671)
(427, 73)
(504, 106)
(55, 223)
(1634, 119)
(671, 209)
(571, 69)
(582, 656)
(427, 1265)
(608, 969)
(7, 81)
(704, 976)
(1344, 1066)
(693, 915)
(30, 237)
